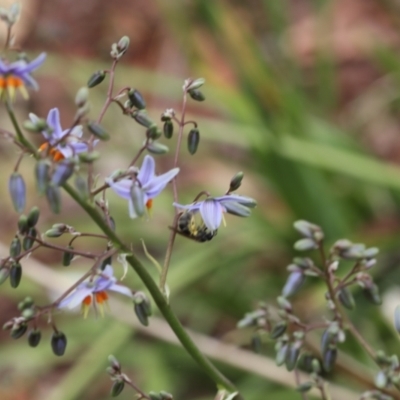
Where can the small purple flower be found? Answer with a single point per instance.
(148, 185)
(67, 148)
(16, 75)
(95, 292)
(212, 209)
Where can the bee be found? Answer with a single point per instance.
(192, 229)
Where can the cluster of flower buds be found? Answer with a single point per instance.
(192, 87)
(333, 335)
(312, 235)
(118, 378)
(10, 267)
(120, 48)
(389, 374)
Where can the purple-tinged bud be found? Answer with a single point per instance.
(292, 356)
(34, 337)
(15, 247)
(193, 140)
(305, 244)
(96, 78)
(67, 257)
(346, 298)
(64, 170)
(309, 230)
(196, 94)
(236, 181)
(23, 224)
(278, 330)
(136, 99)
(88, 158)
(137, 198)
(294, 282)
(53, 196)
(168, 129)
(58, 343)
(329, 358)
(18, 331)
(157, 148)
(17, 189)
(117, 388)
(142, 118)
(29, 239)
(153, 132)
(33, 217)
(15, 274)
(82, 96)
(42, 170)
(98, 131)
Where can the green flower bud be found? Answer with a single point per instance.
(305, 244)
(194, 84)
(117, 388)
(154, 396)
(18, 331)
(29, 239)
(278, 330)
(157, 148)
(153, 132)
(96, 78)
(346, 298)
(33, 217)
(136, 99)
(89, 157)
(17, 189)
(292, 355)
(196, 94)
(193, 140)
(4, 273)
(23, 224)
(304, 387)
(98, 131)
(372, 294)
(42, 170)
(67, 257)
(34, 337)
(281, 355)
(15, 247)
(82, 97)
(256, 343)
(236, 181)
(168, 129)
(53, 196)
(123, 44)
(15, 275)
(142, 118)
(36, 127)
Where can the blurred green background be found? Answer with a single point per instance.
(303, 96)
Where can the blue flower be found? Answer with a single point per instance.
(66, 148)
(16, 75)
(212, 209)
(148, 185)
(95, 292)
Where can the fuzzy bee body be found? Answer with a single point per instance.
(190, 228)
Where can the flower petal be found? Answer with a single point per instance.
(27, 68)
(234, 208)
(122, 187)
(53, 120)
(121, 289)
(211, 212)
(76, 298)
(243, 200)
(156, 185)
(190, 207)
(147, 170)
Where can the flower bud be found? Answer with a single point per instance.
(17, 189)
(89, 157)
(236, 181)
(96, 78)
(82, 97)
(304, 387)
(33, 217)
(4, 273)
(67, 257)
(256, 343)
(15, 247)
(193, 84)
(29, 239)
(36, 127)
(114, 363)
(329, 358)
(372, 294)
(196, 94)
(23, 224)
(154, 396)
(34, 337)
(281, 355)
(157, 148)
(381, 380)
(98, 131)
(346, 298)
(294, 282)
(153, 132)
(54, 233)
(82, 187)
(193, 140)
(142, 308)
(136, 99)
(142, 118)
(15, 274)
(123, 44)
(305, 244)
(292, 354)
(117, 388)
(168, 129)
(64, 170)
(284, 304)
(42, 170)
(166, 396)
(278, 330)
(18, 331)
(137, 198)
(58, 343)
(53, 196)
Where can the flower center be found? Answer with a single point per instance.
(56, 154)
(9, 83)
